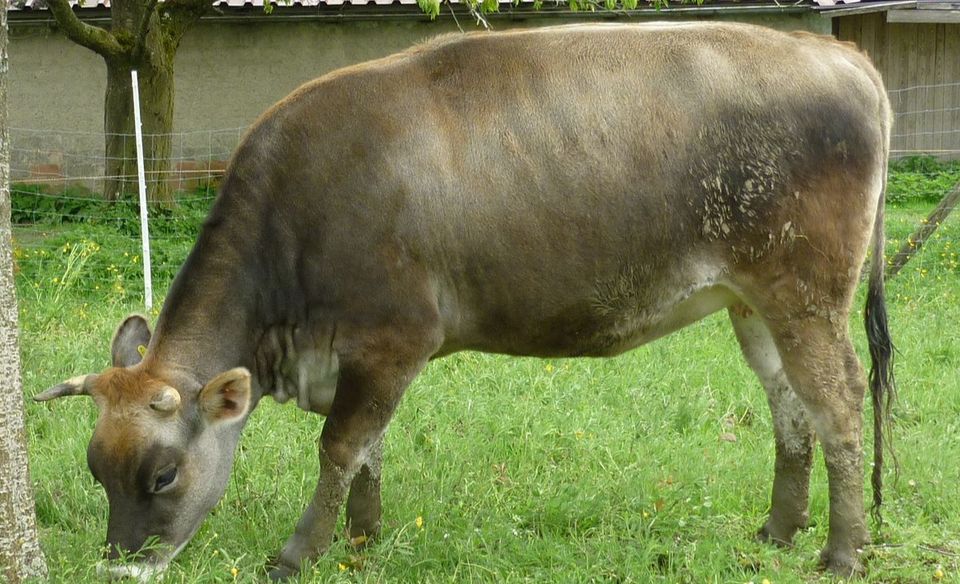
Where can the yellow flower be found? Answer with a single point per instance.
(765, 581)
(234, 571)
(549, 368)
(419, 522)
(342, 567)
(359, 540)
(579, 434)
(938, 573)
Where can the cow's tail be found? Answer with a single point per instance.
(881, 379)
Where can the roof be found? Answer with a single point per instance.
(103, 4)
(676, 6)
(865, 4)
(900, 10)
(916, 11)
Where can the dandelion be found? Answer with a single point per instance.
(548, 368)
(938, 573)
(342, 567)
(419, 522)
(234, 571)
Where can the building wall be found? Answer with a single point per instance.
(920, 64)
(226, 75)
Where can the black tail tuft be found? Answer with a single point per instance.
(882, 386)
(882, 383)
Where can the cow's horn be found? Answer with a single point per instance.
(76, 386)
(166, 400)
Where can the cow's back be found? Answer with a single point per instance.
(559, 191)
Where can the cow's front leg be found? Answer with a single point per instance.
(315, 529)
(363, 502)
(370, 385)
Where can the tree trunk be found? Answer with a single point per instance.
(20, 554)
(144, 35)
(155, 78)
(120, 160)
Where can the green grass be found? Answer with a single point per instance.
(529, 470)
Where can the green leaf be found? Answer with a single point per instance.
(430, 7)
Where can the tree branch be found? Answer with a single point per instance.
(184, 14)
(94, 38)
(195, 8)
(140, 41)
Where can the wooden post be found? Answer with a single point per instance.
(923, 233)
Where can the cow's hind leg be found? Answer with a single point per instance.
(822, 367)
(363, 502)
(794, 436)
(372, 380)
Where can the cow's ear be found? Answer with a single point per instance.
(130, 341)
(226, 397)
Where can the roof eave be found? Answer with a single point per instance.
(412, 11)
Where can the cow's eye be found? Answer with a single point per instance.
(165, 479)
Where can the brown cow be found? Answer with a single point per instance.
(568, 191)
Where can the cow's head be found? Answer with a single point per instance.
(162, 453)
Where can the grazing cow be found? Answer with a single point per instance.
(569, 191)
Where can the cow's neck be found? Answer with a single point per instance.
(209, 315)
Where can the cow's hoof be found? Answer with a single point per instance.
(776, 535)
(844, 564)
(277, 571)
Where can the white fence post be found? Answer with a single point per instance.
(144, 227)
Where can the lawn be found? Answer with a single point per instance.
(654, 466)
